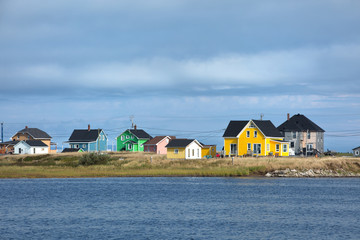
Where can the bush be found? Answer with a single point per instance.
(94, 158)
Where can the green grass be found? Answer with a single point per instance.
(138, 164)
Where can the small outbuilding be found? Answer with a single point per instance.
(31, 147)
(356, 152)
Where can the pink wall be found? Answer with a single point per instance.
(161, 149)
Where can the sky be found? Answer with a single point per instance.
(180, 67)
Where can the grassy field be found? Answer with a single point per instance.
(146, 164)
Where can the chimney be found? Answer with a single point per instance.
(288, 116)
(88, 127)
(26, 127)
(135, 126)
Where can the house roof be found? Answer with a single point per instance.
(9, 143)
(35, 143)
(71, 150)
(234, 128)
(35, 133)
(157, 139)
(179, 142)
(139, 133)
(299, 123)
(84, 135)
(356, 148)
(265, 126)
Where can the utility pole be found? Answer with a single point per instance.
(2, 132)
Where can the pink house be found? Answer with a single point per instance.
(157, 144)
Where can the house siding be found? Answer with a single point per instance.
(172, 155)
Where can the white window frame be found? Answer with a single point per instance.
(122, 138)
(255, 147)
(247, 134)
(84, 145)
(268, 147)
(357, 152)
(130, 146)
(293, 144)
(231, 152)
(249, 146)
(198, 153)
(127, 137)
(176, 151)
(285, 148)
(277, 147)
(308, 135)
(311, 147)
(255, 134)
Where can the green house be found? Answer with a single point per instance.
(132, 140)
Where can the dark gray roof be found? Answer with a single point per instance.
(36, 143)
(139, 133)
(70, 150)
(356, 148)
(266, 126)
(84, 135)
(35, 133)
(179, 142)
(9, 143)
(234, 128)
(299, 123)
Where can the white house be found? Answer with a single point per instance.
(184, 148)
(356, 152)
(31, 147)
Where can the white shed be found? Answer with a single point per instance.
(31, 147)
(356, 152)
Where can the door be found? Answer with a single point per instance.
(257, 148)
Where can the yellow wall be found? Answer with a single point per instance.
(208, 151)
(243, 141)
(171, 154)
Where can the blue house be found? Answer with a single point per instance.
(89, 140)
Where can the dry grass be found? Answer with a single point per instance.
(147, 164)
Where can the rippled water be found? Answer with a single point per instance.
(180, 208)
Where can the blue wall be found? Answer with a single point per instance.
(92, 147)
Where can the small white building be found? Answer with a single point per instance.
(31, 147)
(356, 152)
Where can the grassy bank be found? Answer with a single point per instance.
(146, 164)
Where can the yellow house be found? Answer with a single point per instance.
(208, 150)
(254, 137)
(184, 149)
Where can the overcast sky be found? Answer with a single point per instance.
(180, 67)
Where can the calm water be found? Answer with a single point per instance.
(180, 208)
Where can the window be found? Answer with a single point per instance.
(357, 153)
(255, 134)
(122, 138)
(252, 125)
(268, 147)
(284, 148)
(294, 134)
(76, 145)
(277, 147)
(127, 137)
(129, 146)
(292, 144)
(249, 146)
(233, 149)
(257, 148)
(193, 152)
(84, 145)
(198, 153)
(176, 151)
(247, 134)
(309, 147)
(308, 135)
(189, 152)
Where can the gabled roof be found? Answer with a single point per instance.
(34, 143)
(158, 139)
(299, 123)
(265, 126)
(35, 133)
(139, 133)
(180, 142)
(234, 128)
(356, 148)
(84, 135)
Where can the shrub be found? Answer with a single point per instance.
(94, 158)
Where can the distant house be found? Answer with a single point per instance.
(89, 140)
(7, 147)
(30, 147)
(254, 137)
(35, 134)
(72, 150)
(356, 152)
(208, 150)
(157, 144)
(184, 149)
(303, 134)
(132, 140)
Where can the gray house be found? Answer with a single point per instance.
(304, 135)
(356, 152)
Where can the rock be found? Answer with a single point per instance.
(268, 175)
